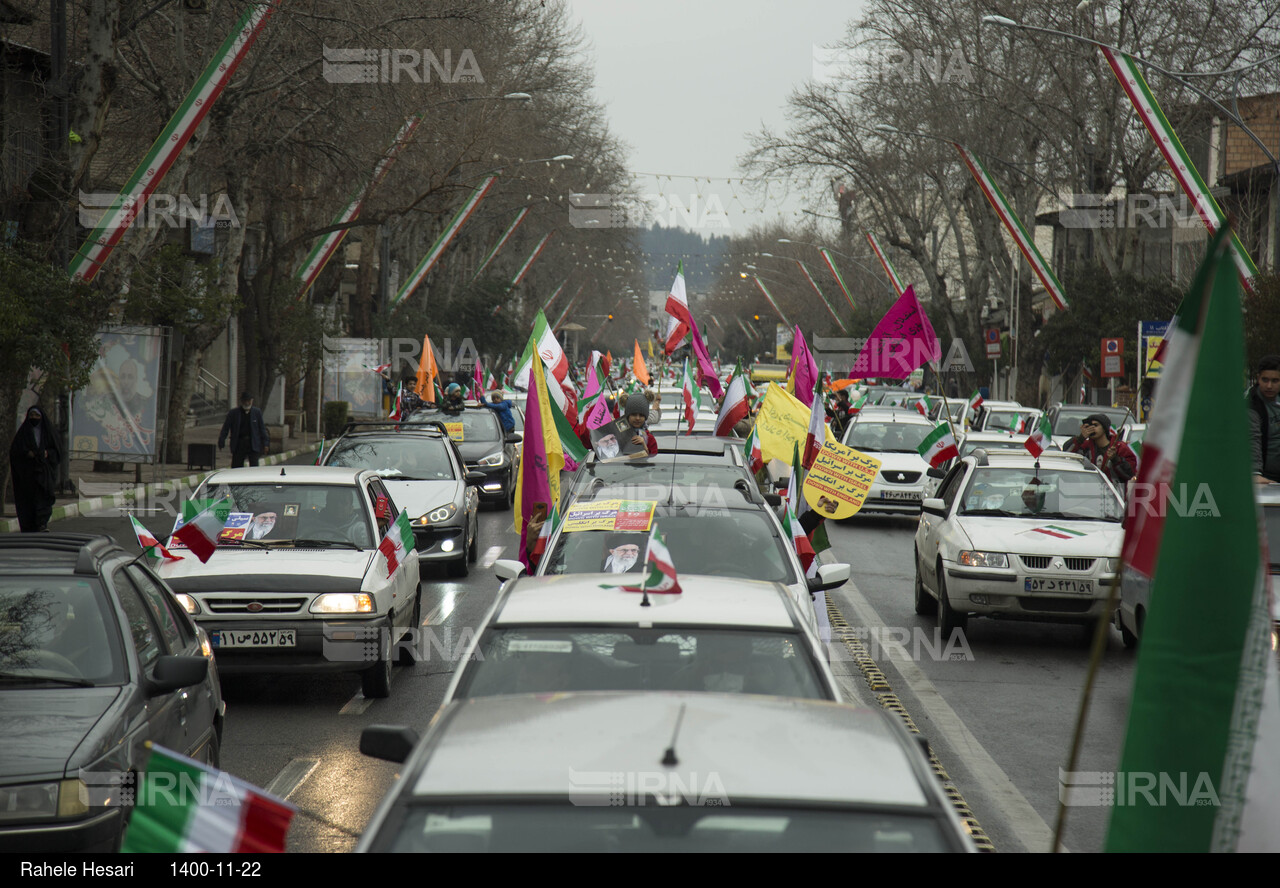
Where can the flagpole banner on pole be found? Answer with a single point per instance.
(884, 260)
(769, 296)
(502, 241)
(533, 257)
(812, 283)
(168, 145)
(442, 242)
(835, 272)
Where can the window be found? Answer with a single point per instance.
(951, 485)
(176, 634)
(142, 628)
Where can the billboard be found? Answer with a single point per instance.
(349, 376)
(1150, 336)
(114, 418)
(782, 342)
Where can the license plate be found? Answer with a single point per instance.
(909, 495)
(1047, 584)
(254, 638)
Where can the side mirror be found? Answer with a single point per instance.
(392, 743)
(830, 576)
(508, 569)
(773, 499)
(934, 506)
(171, 673)
(936, 472)
(474, 477)
(513, 438)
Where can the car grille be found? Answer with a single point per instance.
(271, 604)
(1042, 562)
(900, 477)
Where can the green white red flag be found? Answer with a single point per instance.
(184, 807)
(397, 409)
(548, 528)
(734, 408)
(398, 542)
(795, 506)
(816, 435)
(659, 569)
(773, 302)
(754, 456)
(1041, 437)
(924, 405)
(975, 400)
(442, 242)
(1204, 715)
(200, 533)
(692, 396)
(808, 277)
(835, 272)
(502, 242)
(939, 446)
(533, 257)
(147, 542)
(678, 308)
(543, 342)
(898, 286)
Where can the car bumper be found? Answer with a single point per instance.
(339, 645)
(898, 498)
(1004, 593)
(99, 833)
(496, 484)
(440, 543)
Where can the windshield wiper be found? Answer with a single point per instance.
(1001, 512)
(73, 682)
(257, 544)
(1072, 517)
(342, 543)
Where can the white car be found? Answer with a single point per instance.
(311, 592)
(990, 442)
(1007, 420)
(629, 772)
(1004, 538)
(1065, 419)
(555, 634)
(894, 439)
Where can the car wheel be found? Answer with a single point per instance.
(375, 682)
(925, 605)
(948, 619)
(459, 567)
(404, 654)
(213, 752)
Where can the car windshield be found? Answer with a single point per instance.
(544, 660)
(717, 542)
(466, 427)
(405, 458)
(1008, 443)
(57, 631)
(1002, 420)
(1048, 493)
(887, 437)
(706, 821)
(285, 513)
(1068, 421)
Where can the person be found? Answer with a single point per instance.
(840, 413)
(34, 457)
(655, 406)
(638, 416)
(502, 407)
(453, 398)
(1264, 420)
(621, 554)
(248, 432)
(1105, 450)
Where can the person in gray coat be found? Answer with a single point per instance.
(1264, 420)
(248, 432)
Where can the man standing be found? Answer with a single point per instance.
(1106, 451)
(1264, 420)
(248, 433)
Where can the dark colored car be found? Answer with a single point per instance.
(713, 462)
(97, 659)
(484, 447)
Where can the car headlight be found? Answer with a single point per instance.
(984, 559)
(343, 603)
(1112, 565)
(493, 459)
(188, 603)
(43, 801)
(436, 516)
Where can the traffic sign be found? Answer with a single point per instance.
(993, 342)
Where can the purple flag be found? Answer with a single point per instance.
(901, 342)
(533, 487)
(706, 370)
(804, 369)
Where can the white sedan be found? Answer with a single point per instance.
(894, 439)
(1007, 537)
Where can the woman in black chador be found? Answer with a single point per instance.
(33, 460)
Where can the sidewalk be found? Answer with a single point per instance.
(104, 490)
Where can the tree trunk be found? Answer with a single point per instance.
(184, 383)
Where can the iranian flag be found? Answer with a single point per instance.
(857, 406)
(939, 447)
(678, 307)
(795, 506)
(924, 405)
(755, 458)
(975, 400)
(544, 342)
(660, 570)
(544, 535)
(734, 409)
(149, 544)
(574, 451)
(398, 543)
(816, 436)
(692, 396)
(200, 533)
(397, 411)
(1040, 438)
(184, 807)
(1205, 710)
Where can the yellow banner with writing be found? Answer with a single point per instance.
(838, 481)
(781, 422)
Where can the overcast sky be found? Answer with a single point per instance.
(685, 84)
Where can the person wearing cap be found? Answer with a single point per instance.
(1102, 447)
(638, 416)
(453, 401)
(34, 456)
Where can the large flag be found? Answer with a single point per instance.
(692, 396)
(574, 451)
(638, 369)
(817, 434)
(147, 542)
(181, 806)
(541, 458)
(939, 446)
(543, 342)
(1204, 718)
(200, 534)
(734, 408)
(803, 370)
(678, 308)
(901, 342)
(398, 542)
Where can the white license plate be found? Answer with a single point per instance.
(254, 638)
(909, 495)
(1047, 584)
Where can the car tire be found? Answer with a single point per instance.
(925, 604)
(213, 752)
(949, 619)
(375, 682)
(404, 656)
(459, 567)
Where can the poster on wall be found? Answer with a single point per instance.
(114, 417)
(349, 376)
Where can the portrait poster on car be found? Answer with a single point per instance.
(616, 440)
(839, 479)
(114, 417)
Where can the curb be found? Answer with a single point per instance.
(74, 510)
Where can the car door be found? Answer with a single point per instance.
(931, 528)
(403, 591)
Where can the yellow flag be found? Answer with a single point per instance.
(540, 453)
(650, 349)
(782, 423)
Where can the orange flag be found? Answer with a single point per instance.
(427, 373)
(638, 368)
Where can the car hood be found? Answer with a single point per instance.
(246, 568)
(474, 451)
(899, 462)
(417, 498)
(40, 728)
(1044, 536)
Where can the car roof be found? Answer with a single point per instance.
(710, 445)
(578, 599)
(81, 553)
(1049, 459)
(749, 742)
(1003, 404)
(908, 415)
(289, 475)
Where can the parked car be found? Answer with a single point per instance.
(660, 773)
(97, 659)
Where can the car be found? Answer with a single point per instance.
(986, 441)
(484, 446)
(565, 633)
(957, 409)
(1008, 420)
(680, 460)
(423, 471)
(1065, 419)
(673, 424)
(708, 531)
(659, 773)
(894, 439)
(895, 397)
(97, 660)
(314, 594)
(1016, 537)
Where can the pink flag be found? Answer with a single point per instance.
(804, 369)
(598, 415)
(901, 342)
(706, 371)
(477, 380)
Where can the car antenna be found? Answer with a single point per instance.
(671, 491)
(669, 757)
(644, 598)
(282, 471)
